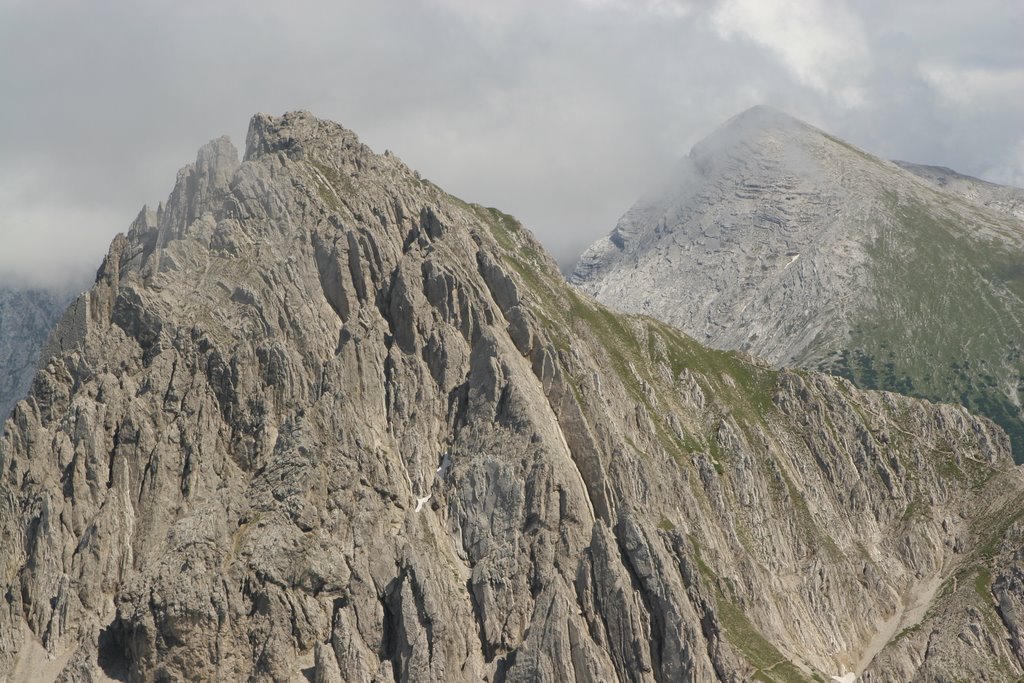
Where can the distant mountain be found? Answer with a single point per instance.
(1000, 198)
(776, 238)
(27, 316)
(318, 420)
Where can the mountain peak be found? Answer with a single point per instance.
(759, 119)
(795, 246)
(294, 133)
(752, 130)
(267, 385)
(763, 115)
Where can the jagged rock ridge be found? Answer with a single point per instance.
(319, 419)
(776, 238)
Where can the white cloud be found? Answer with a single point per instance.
(1010, 169)
(673, 9)
(975, 86)
(822, 43)
(47, 240)
(560, 111)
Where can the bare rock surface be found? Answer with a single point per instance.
(319, 420)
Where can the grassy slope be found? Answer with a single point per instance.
(948, 321)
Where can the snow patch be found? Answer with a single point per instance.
(446, 463)
(442, 470)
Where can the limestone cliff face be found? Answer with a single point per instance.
(319, 419)
(780, 240)
(27, 316)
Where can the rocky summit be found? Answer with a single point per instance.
(318, 420)
(776, 238)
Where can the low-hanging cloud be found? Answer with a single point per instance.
(561, 112)
(821, 42)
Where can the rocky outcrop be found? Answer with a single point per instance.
(778, 239)
(319, 420)
(27, 316)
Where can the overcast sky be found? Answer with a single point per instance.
(561, 112)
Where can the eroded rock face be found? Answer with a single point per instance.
(780, 240)
(317, 417)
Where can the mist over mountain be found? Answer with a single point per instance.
(27, 316)
(318, 419)
(776, 238)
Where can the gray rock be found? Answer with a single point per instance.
(325, 421)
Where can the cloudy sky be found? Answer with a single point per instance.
(559, 111)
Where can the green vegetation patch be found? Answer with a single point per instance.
(983, 584)
(752, 388)
(770, 664)
(949, 320)
(338, 184)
